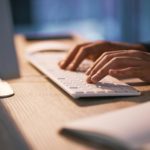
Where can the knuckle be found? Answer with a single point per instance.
(85, 49)
(115, 62)
(97, 42)
(79, 46)
(107, 57)
(105, 54)
(116, 59)
(102, 43)
(105, 42)
(134, 51)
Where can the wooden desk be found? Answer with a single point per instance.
(33, 117)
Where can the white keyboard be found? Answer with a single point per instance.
(74, 83)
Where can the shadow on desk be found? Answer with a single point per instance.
(10, 136)
(144, 97)
(92, 140)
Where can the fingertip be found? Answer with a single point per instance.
(70, 67)
(61, 64)
(88, 79)
(94, 79)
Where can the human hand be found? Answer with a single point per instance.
(121, 64)
(93, 50)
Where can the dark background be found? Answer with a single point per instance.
(121, 20)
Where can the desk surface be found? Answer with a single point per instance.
(33, 117)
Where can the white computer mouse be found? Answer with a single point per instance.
(5, 89)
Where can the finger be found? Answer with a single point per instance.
(106, 48)
(85, 52)
(117, 63)
(63, 64)
(106, 57)
(103, 57)
(109, 55)
(80, 56)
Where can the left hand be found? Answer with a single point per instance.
(92, 51)
(121, 64)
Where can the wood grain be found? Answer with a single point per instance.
(32, 119)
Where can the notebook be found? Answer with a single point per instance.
(125, 129)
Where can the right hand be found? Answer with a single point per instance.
(92, 51)
(121, 64)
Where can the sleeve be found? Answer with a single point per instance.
(147, 46)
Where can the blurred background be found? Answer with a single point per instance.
(121, 20)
